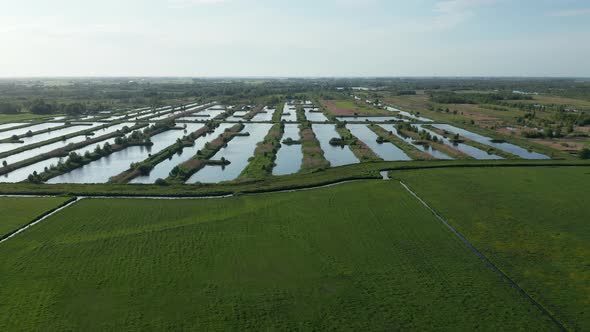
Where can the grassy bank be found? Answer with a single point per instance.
(262, 163)
(313, 155)
(274, 183)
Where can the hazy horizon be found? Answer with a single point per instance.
(306, 39)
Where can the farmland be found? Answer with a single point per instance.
(533, 223)
(261, 204)
(243, 263)
(18, 211)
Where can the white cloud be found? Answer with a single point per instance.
(453, 12)
(571, 12)
(189, 3)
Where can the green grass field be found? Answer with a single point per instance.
(532, 222)
(358, 256)
(5, 118)
(16, 212)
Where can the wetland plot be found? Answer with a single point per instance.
(385, 150)
(243, 263)
(289, 156)
(336, 155)
(507, 147)
(237, 152)
(162, 170)
(464, 148)
(531, 222)
(101, 170)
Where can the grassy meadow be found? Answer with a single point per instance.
(358, 256)
(16, 212)
(532, 222)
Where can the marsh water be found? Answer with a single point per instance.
(101, 170)
(238, 151)
(467, 149)
(50, 147)
(385, 150)
(11, 125)
(426, 148)
(408, 115)
(4, 147)
(289, 157)
(312, 114)
(506, 147)
(369, 118)
(32, 128)
(292, 113)
(162, 170)
(265, 115)
(336, 155)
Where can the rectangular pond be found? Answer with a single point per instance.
(289, 157)
(408, 114)
(11, 125)
(292, 113)
(32, 127)
(50, 147)
(369, 118)
(265, 115)
(162, 170)
(467, 149)
(506, 147)
(101, 170)
(385, 150)
(237, 116)
(238, 151)
(426, 148)
(336, 155)
(312, 114)
(4, 147)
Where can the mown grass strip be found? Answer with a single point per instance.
(410, 149)
(278, 114)
(313, 155)
(263, 161)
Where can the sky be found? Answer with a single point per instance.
(299, 38)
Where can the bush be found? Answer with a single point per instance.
(161, 182)
(585, 153)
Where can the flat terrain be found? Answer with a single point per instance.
(358, 256)
(18, 211)
(345, 107)
(532, 222)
